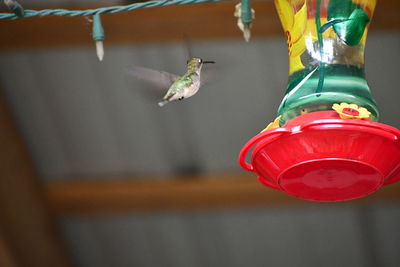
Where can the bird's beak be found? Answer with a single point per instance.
(205, 62)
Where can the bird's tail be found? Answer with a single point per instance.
(162, 103)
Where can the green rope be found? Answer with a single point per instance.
(90, 12)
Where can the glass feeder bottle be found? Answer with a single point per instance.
(326, 43)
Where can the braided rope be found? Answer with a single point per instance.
(108, 10)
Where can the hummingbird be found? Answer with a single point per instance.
(179, 87)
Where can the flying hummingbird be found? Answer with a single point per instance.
(179, 87)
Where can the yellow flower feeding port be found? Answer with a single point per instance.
(351, 111)
(326, 144)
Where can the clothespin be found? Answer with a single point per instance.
(15, 7)
(98, 36)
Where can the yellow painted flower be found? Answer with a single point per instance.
(273, 125)
(351, 111)
(294, 24)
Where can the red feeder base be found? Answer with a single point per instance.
(320, 157)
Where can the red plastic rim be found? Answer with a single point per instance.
(318, 156)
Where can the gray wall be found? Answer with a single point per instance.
(321, 236)
(85, 118)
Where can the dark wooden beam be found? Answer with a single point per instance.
(6, 258)
(162, 24)
(28, 232)
(386, 16)
(116, 195)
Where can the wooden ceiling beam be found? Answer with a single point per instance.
(225, 191)
(161, 24)
(6, 258)
(28, 232)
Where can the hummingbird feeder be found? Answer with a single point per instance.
(326, 144)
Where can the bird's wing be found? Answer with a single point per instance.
(188, 46)
(158, 79)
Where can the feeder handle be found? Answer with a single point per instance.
(252, 142)
(394, 137)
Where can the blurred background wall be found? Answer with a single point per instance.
(120, 181)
